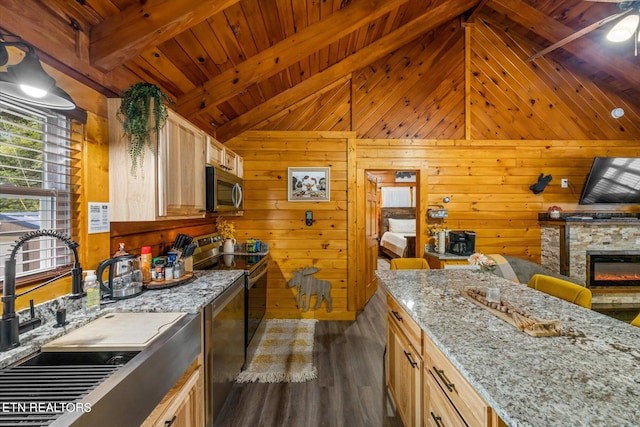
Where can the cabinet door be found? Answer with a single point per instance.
(215, 153)
(132, 197)
(240, 167)
(404, 376)
(186, 408)
(182, 186)
(438, 410)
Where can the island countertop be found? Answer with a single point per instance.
(587, 376)
(189, 297)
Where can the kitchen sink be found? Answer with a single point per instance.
(73, 358)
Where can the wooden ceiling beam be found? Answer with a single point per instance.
(552, 30)
(127, 34)
(343, 69)
(291, 50)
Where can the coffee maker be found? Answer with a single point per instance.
(462, 242)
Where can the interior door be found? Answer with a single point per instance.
(371, 236)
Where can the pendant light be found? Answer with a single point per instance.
(625, 29)
(28, 82)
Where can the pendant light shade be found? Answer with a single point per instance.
(625, 29)
(28, 82)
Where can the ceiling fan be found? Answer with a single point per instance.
(627, 26)
(620, 32)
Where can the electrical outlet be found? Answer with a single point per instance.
(565, 183)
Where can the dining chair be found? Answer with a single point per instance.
(409, 264)
(560, 288)
(636, 321)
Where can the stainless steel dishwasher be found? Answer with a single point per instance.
(223, 346)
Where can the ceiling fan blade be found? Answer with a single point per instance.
(577, 34)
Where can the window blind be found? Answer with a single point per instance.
(39, 181)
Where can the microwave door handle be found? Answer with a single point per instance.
(236, 196)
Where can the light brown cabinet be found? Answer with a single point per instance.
(427, 389)
(404, 364)
(447, 385)
(170, 184)
(183, 406)
(222, 157)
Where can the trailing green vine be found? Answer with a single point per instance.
(136, 116)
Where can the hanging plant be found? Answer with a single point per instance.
(139, 122)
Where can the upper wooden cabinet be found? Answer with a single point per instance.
(220, 156)
(171, 182)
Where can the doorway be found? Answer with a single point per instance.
(362, 264)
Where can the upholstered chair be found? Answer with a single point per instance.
(409, 264)
(636, 321)
(562, 289)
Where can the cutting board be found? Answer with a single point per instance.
(116, 332)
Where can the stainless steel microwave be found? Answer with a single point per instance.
(224, 191)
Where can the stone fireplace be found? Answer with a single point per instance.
(599, 251)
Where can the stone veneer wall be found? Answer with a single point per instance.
(586, 237)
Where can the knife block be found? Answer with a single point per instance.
(188, 264)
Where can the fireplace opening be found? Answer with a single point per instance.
(613, 269)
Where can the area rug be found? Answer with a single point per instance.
(283, 354)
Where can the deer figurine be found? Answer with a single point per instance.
(308, 285)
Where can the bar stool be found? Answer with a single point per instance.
(563, 289)
(409, 264)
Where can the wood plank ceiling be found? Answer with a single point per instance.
(222, 59)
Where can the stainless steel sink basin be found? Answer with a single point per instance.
(97, 388)
(99, 358)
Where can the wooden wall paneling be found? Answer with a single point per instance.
(273, 219)
(545, 109)
(414, 89)
(558, 104)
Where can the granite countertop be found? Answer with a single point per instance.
(588, 376)
(189, 297)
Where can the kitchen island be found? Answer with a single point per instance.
(587, 376)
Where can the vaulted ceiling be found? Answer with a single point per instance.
(222, 59)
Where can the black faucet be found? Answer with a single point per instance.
(10, 328)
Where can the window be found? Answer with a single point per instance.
(39, 179)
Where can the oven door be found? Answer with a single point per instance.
(256, 303)
(224, 191)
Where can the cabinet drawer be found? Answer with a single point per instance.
(438, 411)
(402, 320)
(466, 400)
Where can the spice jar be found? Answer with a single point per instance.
(168, 271)
(145, 263)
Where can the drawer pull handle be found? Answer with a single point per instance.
(436, 419)
(171, 421)
(410, 359)
(396, 315)
(450, 386)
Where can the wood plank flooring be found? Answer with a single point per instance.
(349, 390)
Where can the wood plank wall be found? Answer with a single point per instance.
(270, 217)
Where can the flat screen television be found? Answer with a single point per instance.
(612, 180)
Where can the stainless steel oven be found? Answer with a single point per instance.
(207, 256)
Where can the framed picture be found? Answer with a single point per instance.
(308, 184)
(405, 176)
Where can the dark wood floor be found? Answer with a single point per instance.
(349, 390)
